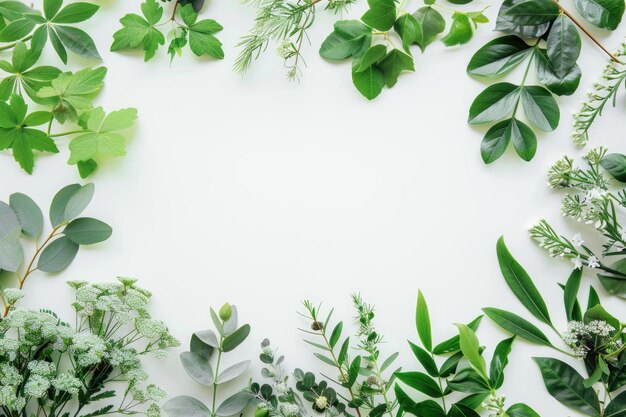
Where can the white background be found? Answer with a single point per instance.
(263, 192)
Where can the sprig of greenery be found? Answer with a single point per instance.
(593, 336)
(377, 62)
(22, 217)
(604, 91)
(531, 24)
(59, 97)
(592, 199)
(200, 365)
(144, 32)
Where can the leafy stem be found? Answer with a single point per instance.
(14, 44)
(585, 31)
(217, 372)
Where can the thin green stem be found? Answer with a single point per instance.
(14, 44)
(217, 371)
(71, 132)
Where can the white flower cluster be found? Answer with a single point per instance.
(583, 338)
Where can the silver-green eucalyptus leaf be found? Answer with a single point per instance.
(185, 406)
(198, 368)
(233, 372)
(235, 404)
(28, 213)
(11, 252)
(57, 255)
(8, 219)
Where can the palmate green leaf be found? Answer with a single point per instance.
(563, 45)
(499, 361)
(606, 14)
(28, 214)
(470, 347)
(140, 32)
(562, 86)
(201, 39)
(493, 103)
(349, 38)
(509, 24)
(516, 325)
(14, 10)
(460, 31)
(566, 385)
(393, 64)
(17, 134)
(498, 57)
(521, 284)
(381, 14)
(101, 138)
(432, 24)
(499, 135)
(73, 93)
(615, 165)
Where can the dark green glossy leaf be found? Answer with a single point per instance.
(521, 410)
(370, 82)
(394, 63)
(563, 46)
(425, 359)
(540, 107)
(431, 22)
(410, 30)
(516, 325)
(562, 86)
(508, 24)
(499, 361)
(381, 14)
(422, 322)
(460, 31)
(570, 294)
(615, 165)
(494, 103)
(349, 38)
(420, 382)
(460, 410)
(606, 14)
(498, 57)
(532, 12)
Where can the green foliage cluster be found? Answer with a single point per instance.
(544, 35)
(145, 32)
(593, 335)
(56, 96)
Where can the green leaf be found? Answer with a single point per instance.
(521, 410)
(197, 368)
(606, 14)
(471, 350)
(566, 385)
(564, 45)
(336, 334)
(101, 138)
(570, 295)
(231, 406)
(349, 38)
(76, 12)
(617, 407)
(460, 410)
(425, 359)
(16, 30)
(508, 24)
(77, 41)
(532, 12)
(59, 203)
(562, 86)
(493, 103)
(594, 299)
(469, 381)
(598, 313)
(420, 382)
(387, 363)
(615, 165)
(410, 30)
(394, 64)
(28, 213)
(460, 30)
(140, 32)
(87, 231)
(232, 372)
(11, 252)
(521, 284)
(9, 222)
(381, 14)
(185, 406)
(202, 41)
(422, 322)
(371, 57)
(86, 168)
(78, 202)
(369, 83)
(353, 371)
(432, 24)
(57, 255)
(499, 135)
(236, 338)
(615, 284)
(451, 345)
(516, 325)
(499, 56)
(499, 361)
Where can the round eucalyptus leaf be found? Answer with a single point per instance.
(78, 201)
(87, 231)
(209, 337)
(198, 368)
(197, 346)
(233, 372)
(185, 406)
(234, 404)
(11, 252)
(57, 255)
(59, 202)
(8, 219)
(28, 213)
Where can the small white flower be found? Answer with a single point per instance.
(578, 263)
(592, 262)
(321, 402)
(577, 240)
